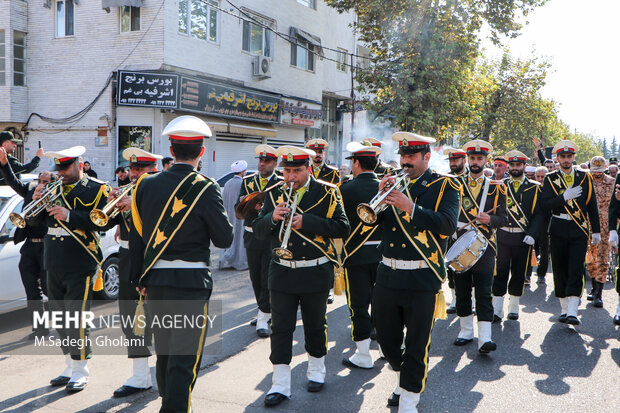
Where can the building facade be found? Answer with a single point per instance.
(110, 74)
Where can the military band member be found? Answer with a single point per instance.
(458, 166)
(176, 214)
(515, 240)
(361, 255)
(140, 162)
(568, 194)
(303, 278)
(9, 142)
(321, 170)
(382, 168)
(598, 267)
(416, 224)
(483, 206)
(614, 215)
(72, 254)
(258, 251)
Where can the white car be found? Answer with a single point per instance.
(12, 295)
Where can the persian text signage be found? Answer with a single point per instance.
(301, 113)
(155, 90)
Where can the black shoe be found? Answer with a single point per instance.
(74, 387)
(350, 364)
(598, 294)
(314, 386)
(373, 334)
(617, 319)
(541, 279)
(330, 299)
(253, 323)
(590, 296)
(394, 399)
(449, 310)
(513, 316)
(125, 391)
(263, 333)
(462, 341)
(59, 381)
(487, 347)
(497, 319)
(597, 302)
(571, 319)
(562, 318)
(274, 399)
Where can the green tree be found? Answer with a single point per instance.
(613, 148)
(605, 149)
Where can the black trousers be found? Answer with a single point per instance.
(284, 317)
(451, 274)
(568, 258)
(512, 261)
(258, 265)
(33, 275)
(394, 310)
(127, 303)
(542, 250)
(360, 281)
(179, 350)
(72, 292)
(480, 277)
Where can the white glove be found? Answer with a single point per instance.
(529, 240)
(596, 238)
(572, 193)
(613, 238)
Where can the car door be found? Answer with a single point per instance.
(12, 294)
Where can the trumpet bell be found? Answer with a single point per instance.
(366, 213)
(283, 253)
(99, 217)
(17, 220)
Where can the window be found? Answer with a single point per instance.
(363, 59)
(19, 57)
(341, 60)
(2, 59)
(308, 3)
(302, 54)
(64, 18)
(130, 19)
(198, 18)
(256, 38)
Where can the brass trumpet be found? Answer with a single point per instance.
(50, 194)
(282, 251)
(100, 217)
(368, 212)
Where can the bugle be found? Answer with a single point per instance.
(100, 217)
(48, 197)
(368, 211)
(282, 251)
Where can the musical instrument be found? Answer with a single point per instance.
(282, 251)
(247, 205)
(368, 211)
(466, 251)
(48, 197)
(100, 217)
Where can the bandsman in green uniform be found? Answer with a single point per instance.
(516, 240)
(304, 276)
(140, 162)
(614, 215)
(483, 207)
(416, 224)
(360, 255)
(458, 166)
(382, 168)
(9, 142)
(568, 195)
(176, 214)
(259, 251)
(320, 170)
(72, 255)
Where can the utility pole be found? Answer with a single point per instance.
(352, 98)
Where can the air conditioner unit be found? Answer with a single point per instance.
(261, 67)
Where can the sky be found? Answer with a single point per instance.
(579, 39)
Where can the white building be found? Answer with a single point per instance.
(107, 74)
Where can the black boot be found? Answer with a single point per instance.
(591, 294)
(598, 295)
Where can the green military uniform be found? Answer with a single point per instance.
(258, 252)
(326, 173)
(382, 169)
(513, 254)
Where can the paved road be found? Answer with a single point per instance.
(540, 366)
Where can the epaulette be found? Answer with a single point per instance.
(439, 177)
(208, 178)
(250, 176)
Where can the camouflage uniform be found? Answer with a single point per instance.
(599, 254)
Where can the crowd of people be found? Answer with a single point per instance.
(393, 233)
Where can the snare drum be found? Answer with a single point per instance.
(466, 251)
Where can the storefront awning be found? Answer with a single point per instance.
(239, 127)
(107, 4)
(297, 33)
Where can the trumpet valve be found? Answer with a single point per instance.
(17, 220)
